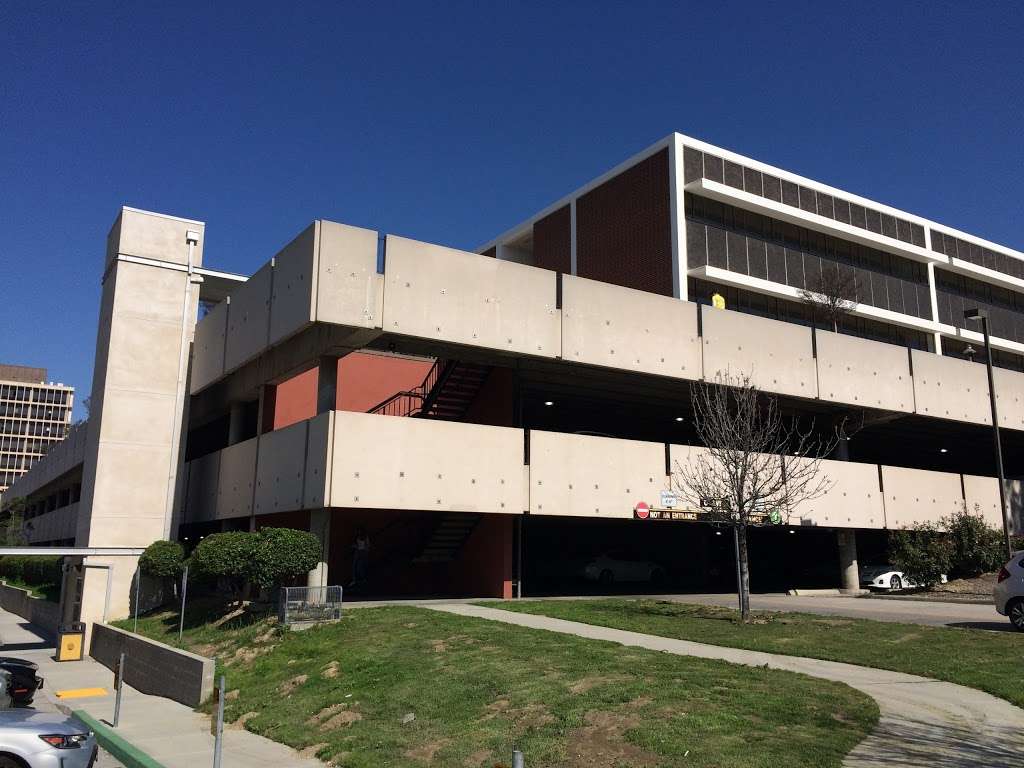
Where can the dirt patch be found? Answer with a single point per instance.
(334, 717)
(246, 655)
(229, 616)
(287, 688)
(267, 636)
(600, 743)
(979, 585)
(425, 752)
(477, 759)
(330, 671)
(232, 695)
(239, 724)
(310, 751)
(588, 683)
(439, 646)
(529, 716)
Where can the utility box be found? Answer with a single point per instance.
(70, 641)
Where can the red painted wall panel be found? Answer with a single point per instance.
(363, 381)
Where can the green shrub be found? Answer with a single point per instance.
(34, 570)
(924, 553)
(162, 560)
(977, 546)
(226, 555)
(281, 554)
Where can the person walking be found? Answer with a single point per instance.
(360, 558)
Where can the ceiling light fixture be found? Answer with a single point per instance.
(549, 403)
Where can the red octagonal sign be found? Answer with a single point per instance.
(642, 511)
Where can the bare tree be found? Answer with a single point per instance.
(757, 465)
(831, 295)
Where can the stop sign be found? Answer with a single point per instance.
(642, 510)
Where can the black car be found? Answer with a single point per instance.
(24, 679)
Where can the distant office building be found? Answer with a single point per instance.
(34, 415)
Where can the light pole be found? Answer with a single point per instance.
(975, 315)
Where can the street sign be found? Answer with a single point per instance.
(668, 500)
(641, 511)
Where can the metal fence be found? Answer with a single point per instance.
(303, 605)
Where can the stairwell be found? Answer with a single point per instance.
(446, 393)
(449, 536)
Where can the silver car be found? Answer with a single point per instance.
(31, 739)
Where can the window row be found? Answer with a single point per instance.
(978, 255)
(7, 478)
(33, 428)
(1000, 359)
(701, 291)
(55, 500)
(25, 445)
(956, 293)
(707, 244)
(697, 165)
(34, 394)
(28, 411)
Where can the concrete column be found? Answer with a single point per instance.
(266, 409)
(130, 478)
(327, 385)
(236, 423)
(320, 526)
(848, 560)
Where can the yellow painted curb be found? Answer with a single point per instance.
(81, 693)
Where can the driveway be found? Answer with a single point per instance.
(890, 609)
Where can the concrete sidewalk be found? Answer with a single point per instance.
(170, 733)
(924, 722)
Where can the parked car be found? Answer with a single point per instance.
(618, 567)
(1008, 592)
(44, 740)
(25, 680)
(887, 577)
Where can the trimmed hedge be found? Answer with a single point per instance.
(34, 570)
(282, 554)
(162, 559)
(223, 555)
(268, 558)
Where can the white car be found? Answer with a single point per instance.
(1008, 592)
(887, 577)
(616, 567)
(31, 739)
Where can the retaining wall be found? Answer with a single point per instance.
(42, 613)
(153, 667)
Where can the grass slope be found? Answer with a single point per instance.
(476, 688)
(975, 658)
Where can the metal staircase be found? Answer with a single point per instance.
(449, 536)
(447, 392)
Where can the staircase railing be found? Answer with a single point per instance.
(417, 400)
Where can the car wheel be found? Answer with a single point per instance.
(10, 762)
(895, 583)
(606, 577)
(1015, 611)
(657, 577)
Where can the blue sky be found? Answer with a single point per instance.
(450, 122)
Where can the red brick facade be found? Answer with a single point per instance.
(552, 241)
(624, 229)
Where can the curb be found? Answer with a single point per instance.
(110, 740)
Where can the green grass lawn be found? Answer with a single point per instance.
(989, 661)
(345, 692)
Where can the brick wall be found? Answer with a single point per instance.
(624, 229)
(552, 241)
